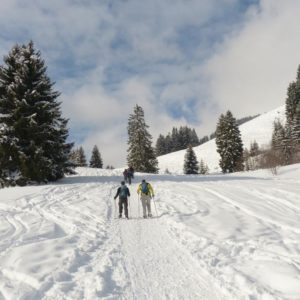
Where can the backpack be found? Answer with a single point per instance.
(145, 188)
(123, 192)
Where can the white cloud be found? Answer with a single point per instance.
(247, 71)
(252, 69)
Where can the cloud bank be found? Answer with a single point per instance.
(184, 62)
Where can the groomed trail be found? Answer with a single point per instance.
(215, 237)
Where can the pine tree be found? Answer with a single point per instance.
(175, 140)
(160, 148)
(254, 148)
(74, 157)
(293, 99)
(295, 128)
(32, 131)
(203, 168)
(229, 144)
(168, 143)
(194, 140)
(141, 155)
(81, 158)
(203, 140)
(247, 157)
(292, 129)
(282, 143)
(191, 165)
(96, 160)
(183, 139)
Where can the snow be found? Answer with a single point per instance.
(216, 237)
(259, 129)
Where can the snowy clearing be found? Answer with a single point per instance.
(215, 237)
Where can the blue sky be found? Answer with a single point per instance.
(183, 61)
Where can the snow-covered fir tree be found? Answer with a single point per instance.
(177, 139)
(191, 165)
(78, 157)
(282, 143)
(278, 135)
(33, 132)
(229, 144)
(81, 158)
(293, 99)
(168, 143)
(254, 148)
(141, 155)
(74, 157)
(160, 148)
(295, 128)
(96, 160)
(246, 154)
(203, 168)
(292, 110)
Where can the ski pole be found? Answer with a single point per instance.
(139, 204)
(129, 207)
(115, 209)
(155, 206)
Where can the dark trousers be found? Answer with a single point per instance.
(123, 202)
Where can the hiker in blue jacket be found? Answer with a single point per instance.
(123, 193)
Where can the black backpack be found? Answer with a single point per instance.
(123, 192)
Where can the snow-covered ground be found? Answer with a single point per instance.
(215, 237)
(259, 129)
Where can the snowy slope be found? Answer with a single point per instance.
(259, 129)
(216, 237)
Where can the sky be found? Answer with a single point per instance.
(184, 61)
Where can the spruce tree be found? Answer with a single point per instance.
(160, 148)
(175, 140)
(183, 138)
(168, 143)
(282, 143)
(96, 160)
(293, 99)
(229, 144)
(194, 140)
(81, 157)
(33, 132)
(254, 148)
(203, 169)
(141, 155)
(292, 129)
(74, 157)
(191, 165)
(295, 128)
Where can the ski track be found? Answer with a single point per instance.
(210, 240)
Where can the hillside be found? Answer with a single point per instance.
(259, 129)
(214, 237)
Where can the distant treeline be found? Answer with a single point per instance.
(177, 139)
(180, 138)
